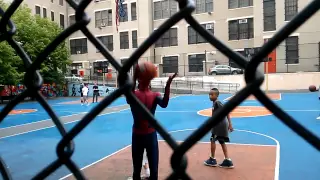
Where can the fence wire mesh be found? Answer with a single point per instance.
(65, 147)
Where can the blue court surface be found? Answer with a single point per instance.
(59, 106)
(28, 153)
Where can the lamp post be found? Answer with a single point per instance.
(90, 68)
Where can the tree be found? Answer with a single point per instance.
(34, 34)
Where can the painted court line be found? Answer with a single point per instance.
(25, 132)
(48, 127)
(277, 165)
(40, 121)
(238, 144)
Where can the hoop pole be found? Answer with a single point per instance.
(103, 81)
(116, 79)
(267, 77)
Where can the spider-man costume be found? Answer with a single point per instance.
(144, 136)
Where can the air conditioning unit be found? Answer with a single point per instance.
(103, 25)
(243, 21)
(78, 52)
(209, 26)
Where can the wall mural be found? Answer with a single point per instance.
(74, 89)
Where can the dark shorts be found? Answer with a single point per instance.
(220, 139)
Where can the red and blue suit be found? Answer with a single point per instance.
(144, 136)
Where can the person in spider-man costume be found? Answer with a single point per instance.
(144, 136)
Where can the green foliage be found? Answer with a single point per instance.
(35, 34)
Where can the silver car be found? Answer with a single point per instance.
(224, 69)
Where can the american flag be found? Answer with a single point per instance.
(117, 14)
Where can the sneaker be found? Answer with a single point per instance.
(227, 163)
(211, 162)
(146, 173)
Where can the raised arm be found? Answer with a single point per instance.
(134, 78)
(163, 102)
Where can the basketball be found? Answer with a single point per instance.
(145, 71)
(312, 88)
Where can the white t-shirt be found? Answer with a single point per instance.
(85, 91)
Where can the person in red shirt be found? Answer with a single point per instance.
(144, 136)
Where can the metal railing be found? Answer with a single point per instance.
(65, 148)
(195, 87)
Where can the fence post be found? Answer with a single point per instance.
(205, 62)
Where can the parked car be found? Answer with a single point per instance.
(224, 69)
(74, 78)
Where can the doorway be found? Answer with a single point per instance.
(270, 65)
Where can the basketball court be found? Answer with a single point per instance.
(261, 146)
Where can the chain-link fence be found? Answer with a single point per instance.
(65, 148)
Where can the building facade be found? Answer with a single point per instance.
(239, 24)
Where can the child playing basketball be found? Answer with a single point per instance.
(85, 90)
(144, 136)
(220, 133)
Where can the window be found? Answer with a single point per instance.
(233, 63)
(292, 50)
(62, 21)
(196, 62)
(61, 2)
(38, 10)
(72, 19)
(133, 11)
(134, 39)
(78, 46)
(107, 41)
(123, 60)
(195, 38)
(125, 17)
(291, 9)
(170, 38)
(241, 29)
(76, 66)
(269, 15)
(100, 67)
(203, 6)
(103, 18)
(164, 9)
(124, 40)
(52, 16)
(44, 12)
(78, 1)
(170, 64)
(239, 3)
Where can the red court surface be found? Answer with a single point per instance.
(254, 162)
(22, 111)
(241, 111)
